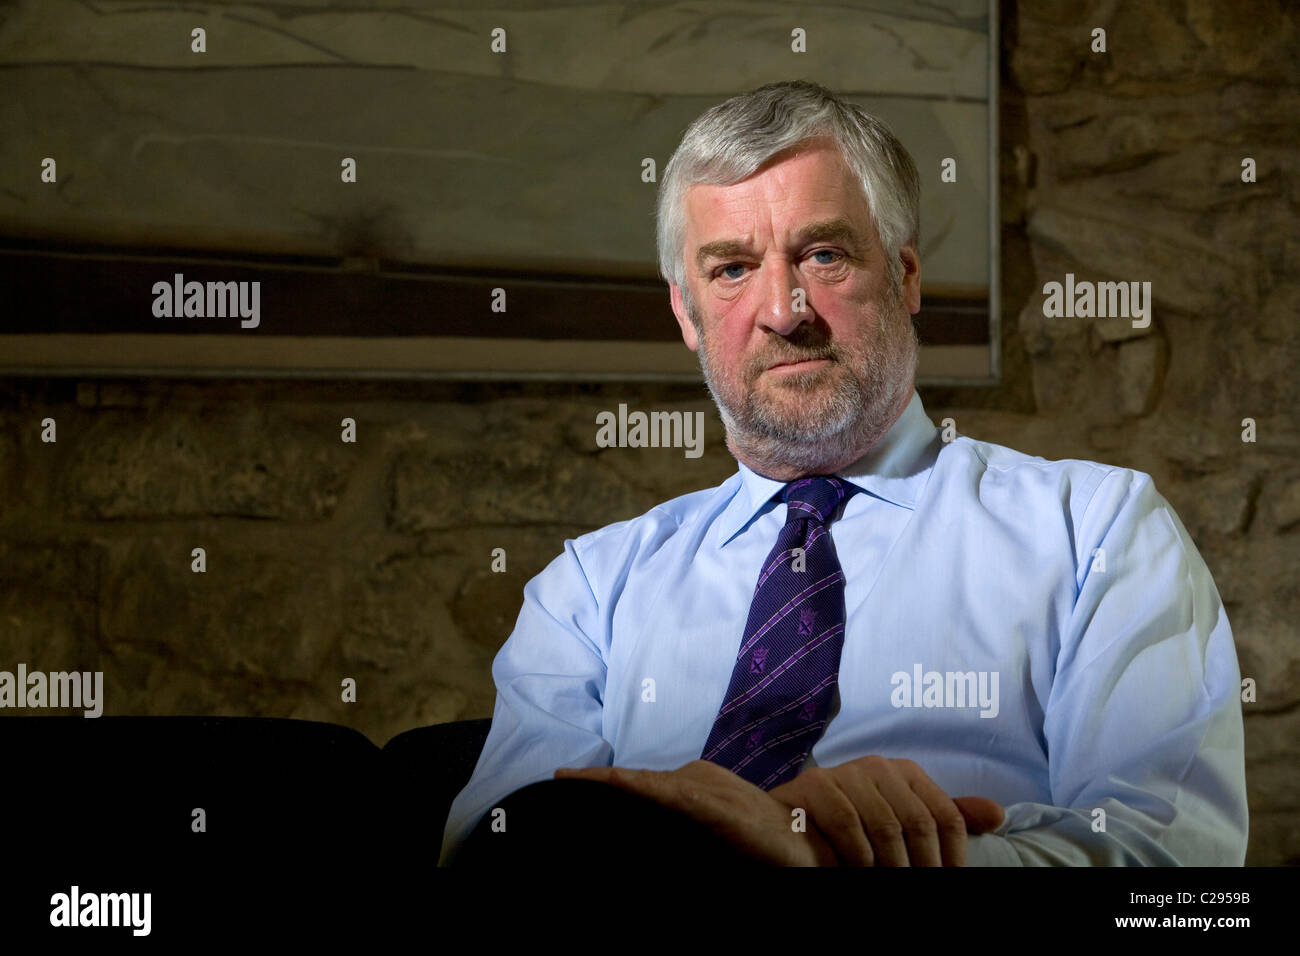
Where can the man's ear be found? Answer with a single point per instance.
(911, 277)
(689, 335)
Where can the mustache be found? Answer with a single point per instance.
(788, 351)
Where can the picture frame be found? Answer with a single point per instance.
(401, 277)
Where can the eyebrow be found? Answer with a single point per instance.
(833, 230)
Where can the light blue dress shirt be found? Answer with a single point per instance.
(1041, 633)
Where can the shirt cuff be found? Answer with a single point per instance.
(989, 849)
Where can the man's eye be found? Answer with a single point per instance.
(827, 252)
(731, 265)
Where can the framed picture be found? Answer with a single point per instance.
(450, 192)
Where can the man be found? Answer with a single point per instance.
(869, 646)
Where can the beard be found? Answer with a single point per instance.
(820, 419)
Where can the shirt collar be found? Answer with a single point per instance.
(894, 470)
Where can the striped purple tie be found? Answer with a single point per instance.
(779, 699)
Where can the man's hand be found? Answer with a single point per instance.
(871, 811)
(877, 811)
(750, 818)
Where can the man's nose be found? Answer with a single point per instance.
(778, 312)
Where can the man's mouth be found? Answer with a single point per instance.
(798, 365)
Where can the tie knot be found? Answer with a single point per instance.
(816, 497)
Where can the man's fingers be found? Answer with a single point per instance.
(585, 773)
(903, 833)
(648, 782)
(950, 826)
(982, 814)
(643, 782)
(839, 819)
(676, 789)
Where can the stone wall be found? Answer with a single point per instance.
(324, 560)
(1128, 166)
(372, 560)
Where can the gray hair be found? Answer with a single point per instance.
(731, 140)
